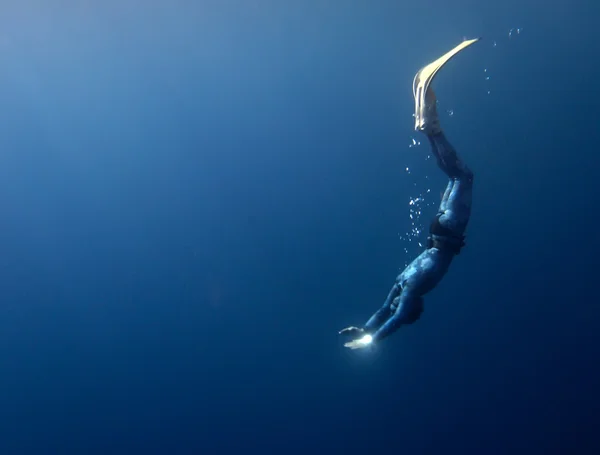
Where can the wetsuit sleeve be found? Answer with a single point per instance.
(384, 312)
(408, 311)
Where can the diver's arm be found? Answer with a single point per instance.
(390, 326)
(364, 333)
(409, 309)
(384, 312)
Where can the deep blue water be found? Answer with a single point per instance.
(196, 196)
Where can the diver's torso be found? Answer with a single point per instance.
(425, 271)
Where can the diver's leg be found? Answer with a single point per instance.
(456, 202)
(446, 196)
(384, 312)
(447, 158)
(456, 208)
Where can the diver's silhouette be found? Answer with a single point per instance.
(404, 303)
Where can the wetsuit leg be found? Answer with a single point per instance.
(447, 158)
(458, 208)
(384, 312)
(456, 203)
(446, 195)
(408, 310)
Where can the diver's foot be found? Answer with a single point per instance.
(426, 116)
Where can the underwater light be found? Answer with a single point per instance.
(366, 339)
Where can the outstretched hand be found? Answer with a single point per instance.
(360, 343)
(362, 340)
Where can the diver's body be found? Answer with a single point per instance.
(404, 303)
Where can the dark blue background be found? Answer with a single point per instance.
(196, 196)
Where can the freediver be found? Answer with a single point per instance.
(404, 303)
